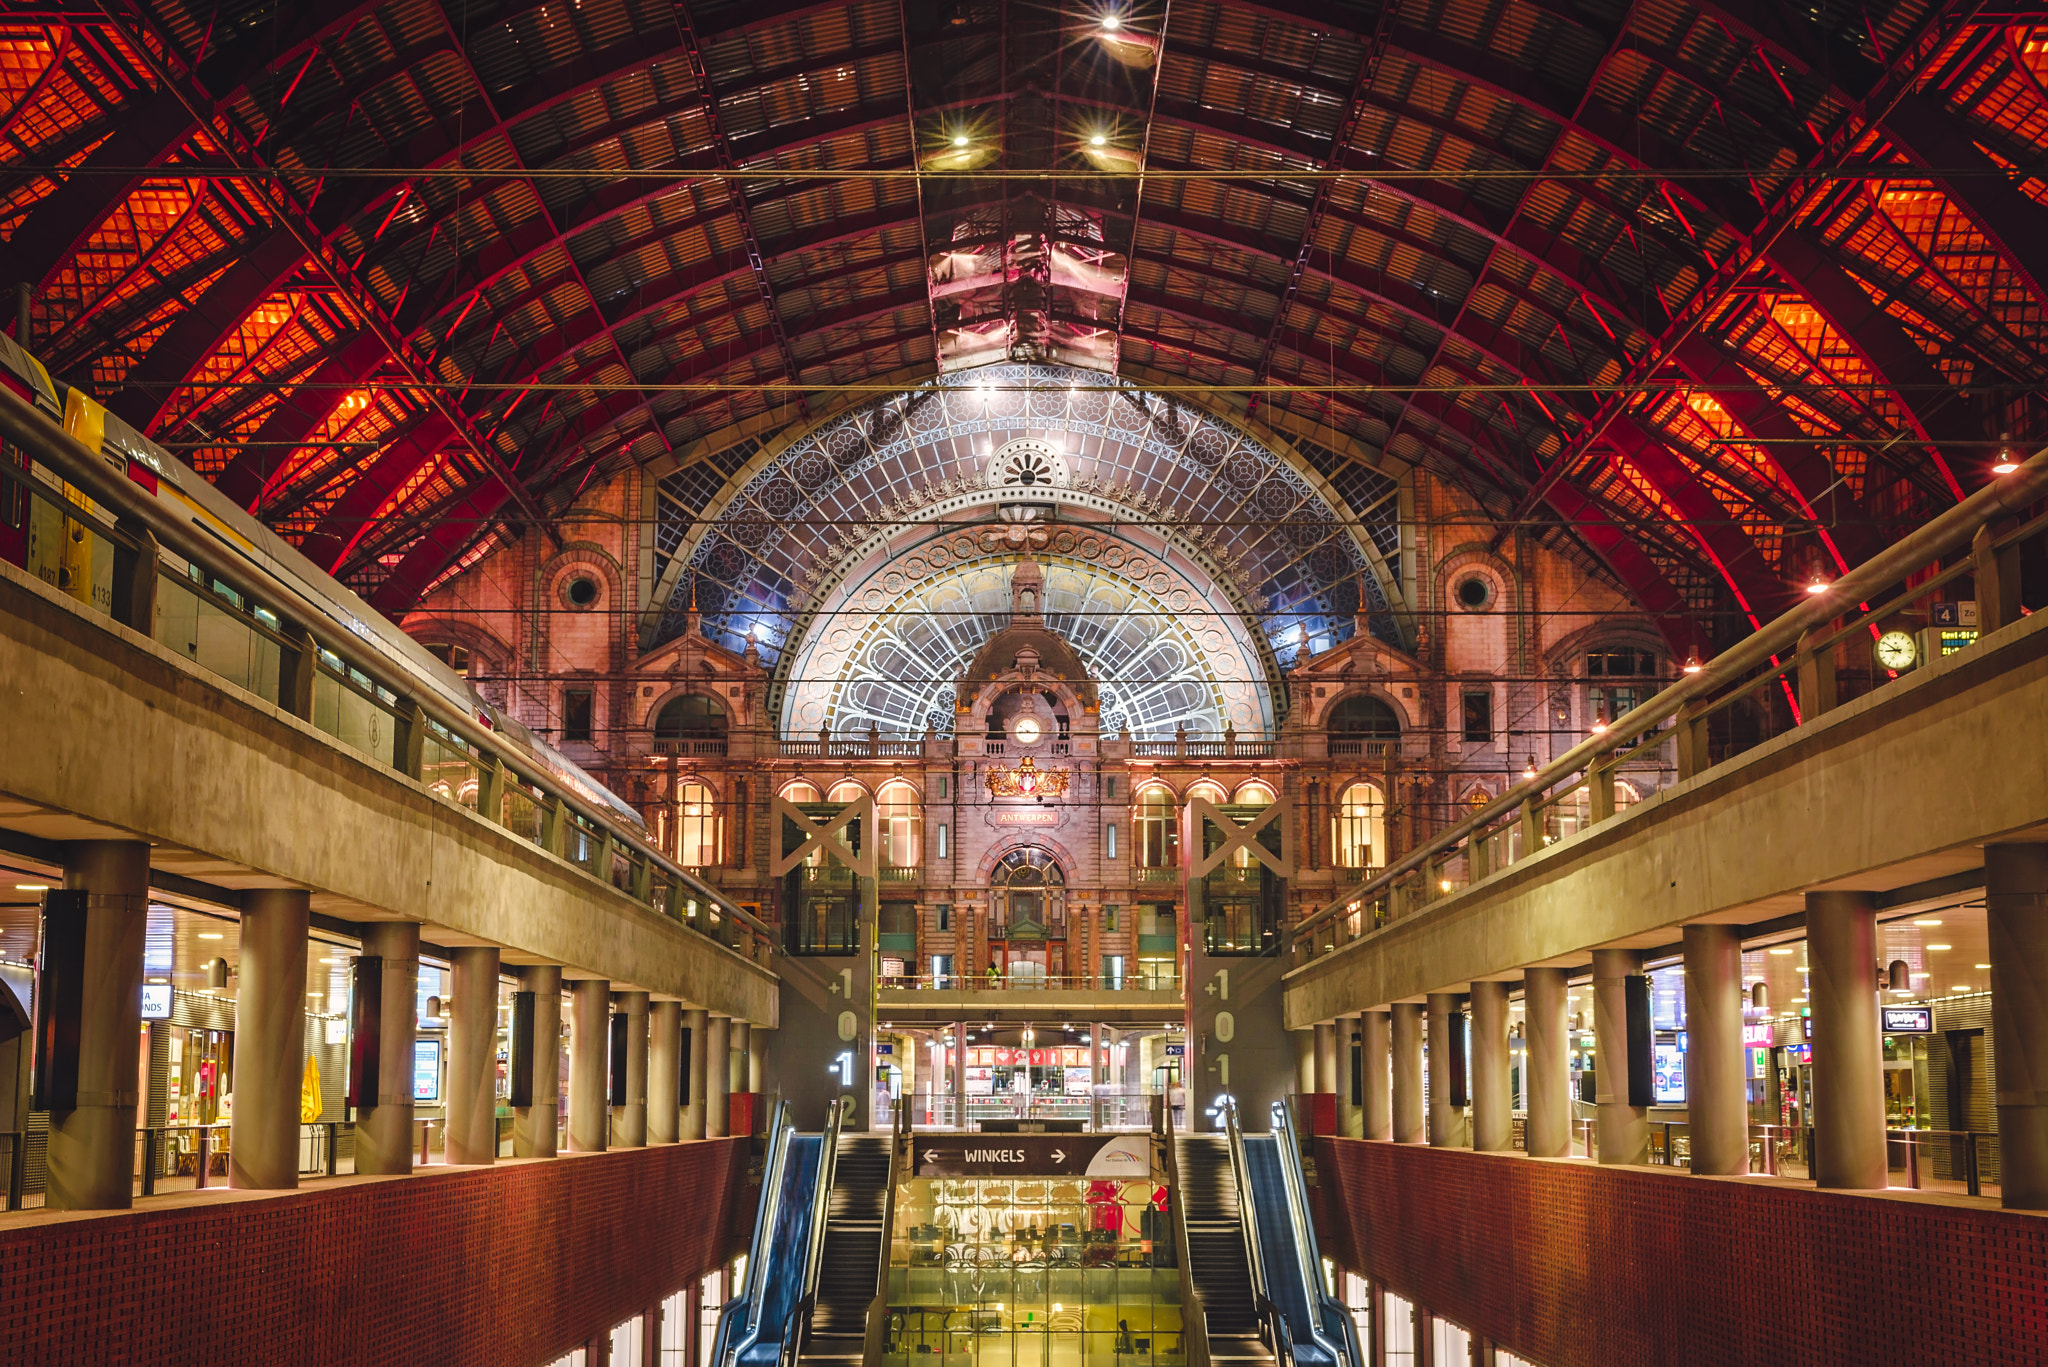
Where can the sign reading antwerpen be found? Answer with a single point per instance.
(1034, 1155)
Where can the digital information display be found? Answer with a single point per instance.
(426, 1070)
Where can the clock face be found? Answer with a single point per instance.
(1025, 731)
(1896, 650)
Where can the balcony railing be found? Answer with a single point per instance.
(689, 746)
(1022, 982)
(1227, 748)
(862, 747)
(1355, 745)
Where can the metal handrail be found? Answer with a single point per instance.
(2011, 494)
(1194, 1328)
(821, 1202)
(48, 443)
(725, 1351)
(1305, 1246)
(1247, 1213)
(875, 1337)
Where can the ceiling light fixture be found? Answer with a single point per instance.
(31, 887)
(211, 935)
(1817, 585)
(1980, 965)
(1927, 923)
(1692, 663)
(1097, 141)
(2007, 462)
(1599, 726)
(959, 139)
(1781, 951)
(1111, 23)
(1530, 770)
(1941, 946)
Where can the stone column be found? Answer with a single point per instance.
(1446, 1028)
(590, 1023)
(1492, 1100)
(270, 1040)
(92, 1145)
(959, 1072)
(1326, 1058)
(695, 1107)
(1848, 1051)
(1716, 1092)
(1376, 1108)
(1347, 1088)
(1303, 1042)
(717, 1074)
(1624, 1129)
(664, 1072)
(2016, 919)
(742, 1072)
(1406, 1092)
(629, 1122)
(385, 1142)
(1545, 997)
(472, 1055)
(535, 1126)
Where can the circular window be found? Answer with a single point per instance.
(580, 591)
(1474, 593)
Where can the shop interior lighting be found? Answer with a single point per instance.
(211, 935)
(1941, 946)
(31, 887)
(1980, 965)
(1927, 923)
(1961, 987)
(1781, 951)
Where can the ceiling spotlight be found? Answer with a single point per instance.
(1599, 726)
(1817, 585)
(1927, 923)
(2007, 462)
(1530, 770)
(1444, 884)
(1692, 663)
(211, 935)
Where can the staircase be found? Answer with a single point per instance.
(853, 1250)
(1219, 1266)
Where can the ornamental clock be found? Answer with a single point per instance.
(1896, 650)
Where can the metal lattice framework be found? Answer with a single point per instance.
(1810, 244)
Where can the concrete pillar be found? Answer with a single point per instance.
(1347, 1087)
(742, 1040)
(472, 1055)
(1547, 1063)
(717, 1074)
(1326, 1058)
(664, 1072)
(1492, 1100)
(385, 1142)
(2016, 919)
(1446, 1030)
(698, 1023)
(590, 1023)
(1848, 1050)
(629, 1122)
(757, 1057)
(1716, 1090)
(1376, 1102)
(1624, 1130)
(92, 1145)
(1406, 1091)
(535, 1126)
(270, 1040)
(1304, 1044)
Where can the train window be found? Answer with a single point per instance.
(578, 705)
(580, 591)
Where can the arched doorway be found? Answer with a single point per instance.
(1028, 924)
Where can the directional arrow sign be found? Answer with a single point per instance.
(1059, 1155)
(1039, 1155)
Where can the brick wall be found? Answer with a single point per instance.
(1571, 1265)
(499, 1267)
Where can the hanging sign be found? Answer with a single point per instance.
(1909, 1020)
(1034, 1155)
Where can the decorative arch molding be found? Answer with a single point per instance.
(1250, 507)
(711, 688)
(1409, 710)
(985, 867)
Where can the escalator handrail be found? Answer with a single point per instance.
(747, 1304)
(821, 1206)
(875, 1334)
(1247, 1209)
(1321, 1303)
(1195, 1328)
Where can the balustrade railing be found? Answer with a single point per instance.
(1794, 653)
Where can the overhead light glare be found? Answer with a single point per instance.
(1110, 23)
(1692, 663)
(1818, 585)
(2007, 462)
(1941, 946)
(31, 887)
(1927, 923)
(959, 139)
(1781, 951)
(1529, 771)
(211, 935)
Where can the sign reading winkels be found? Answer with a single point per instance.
(1034, 1155)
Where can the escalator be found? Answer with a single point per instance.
(763, 1326)
(1218, 1264)
(853, 1251)
(1304, 1323)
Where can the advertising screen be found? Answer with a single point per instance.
(426, 1070)
(1669, 1068)
(156, 1001)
